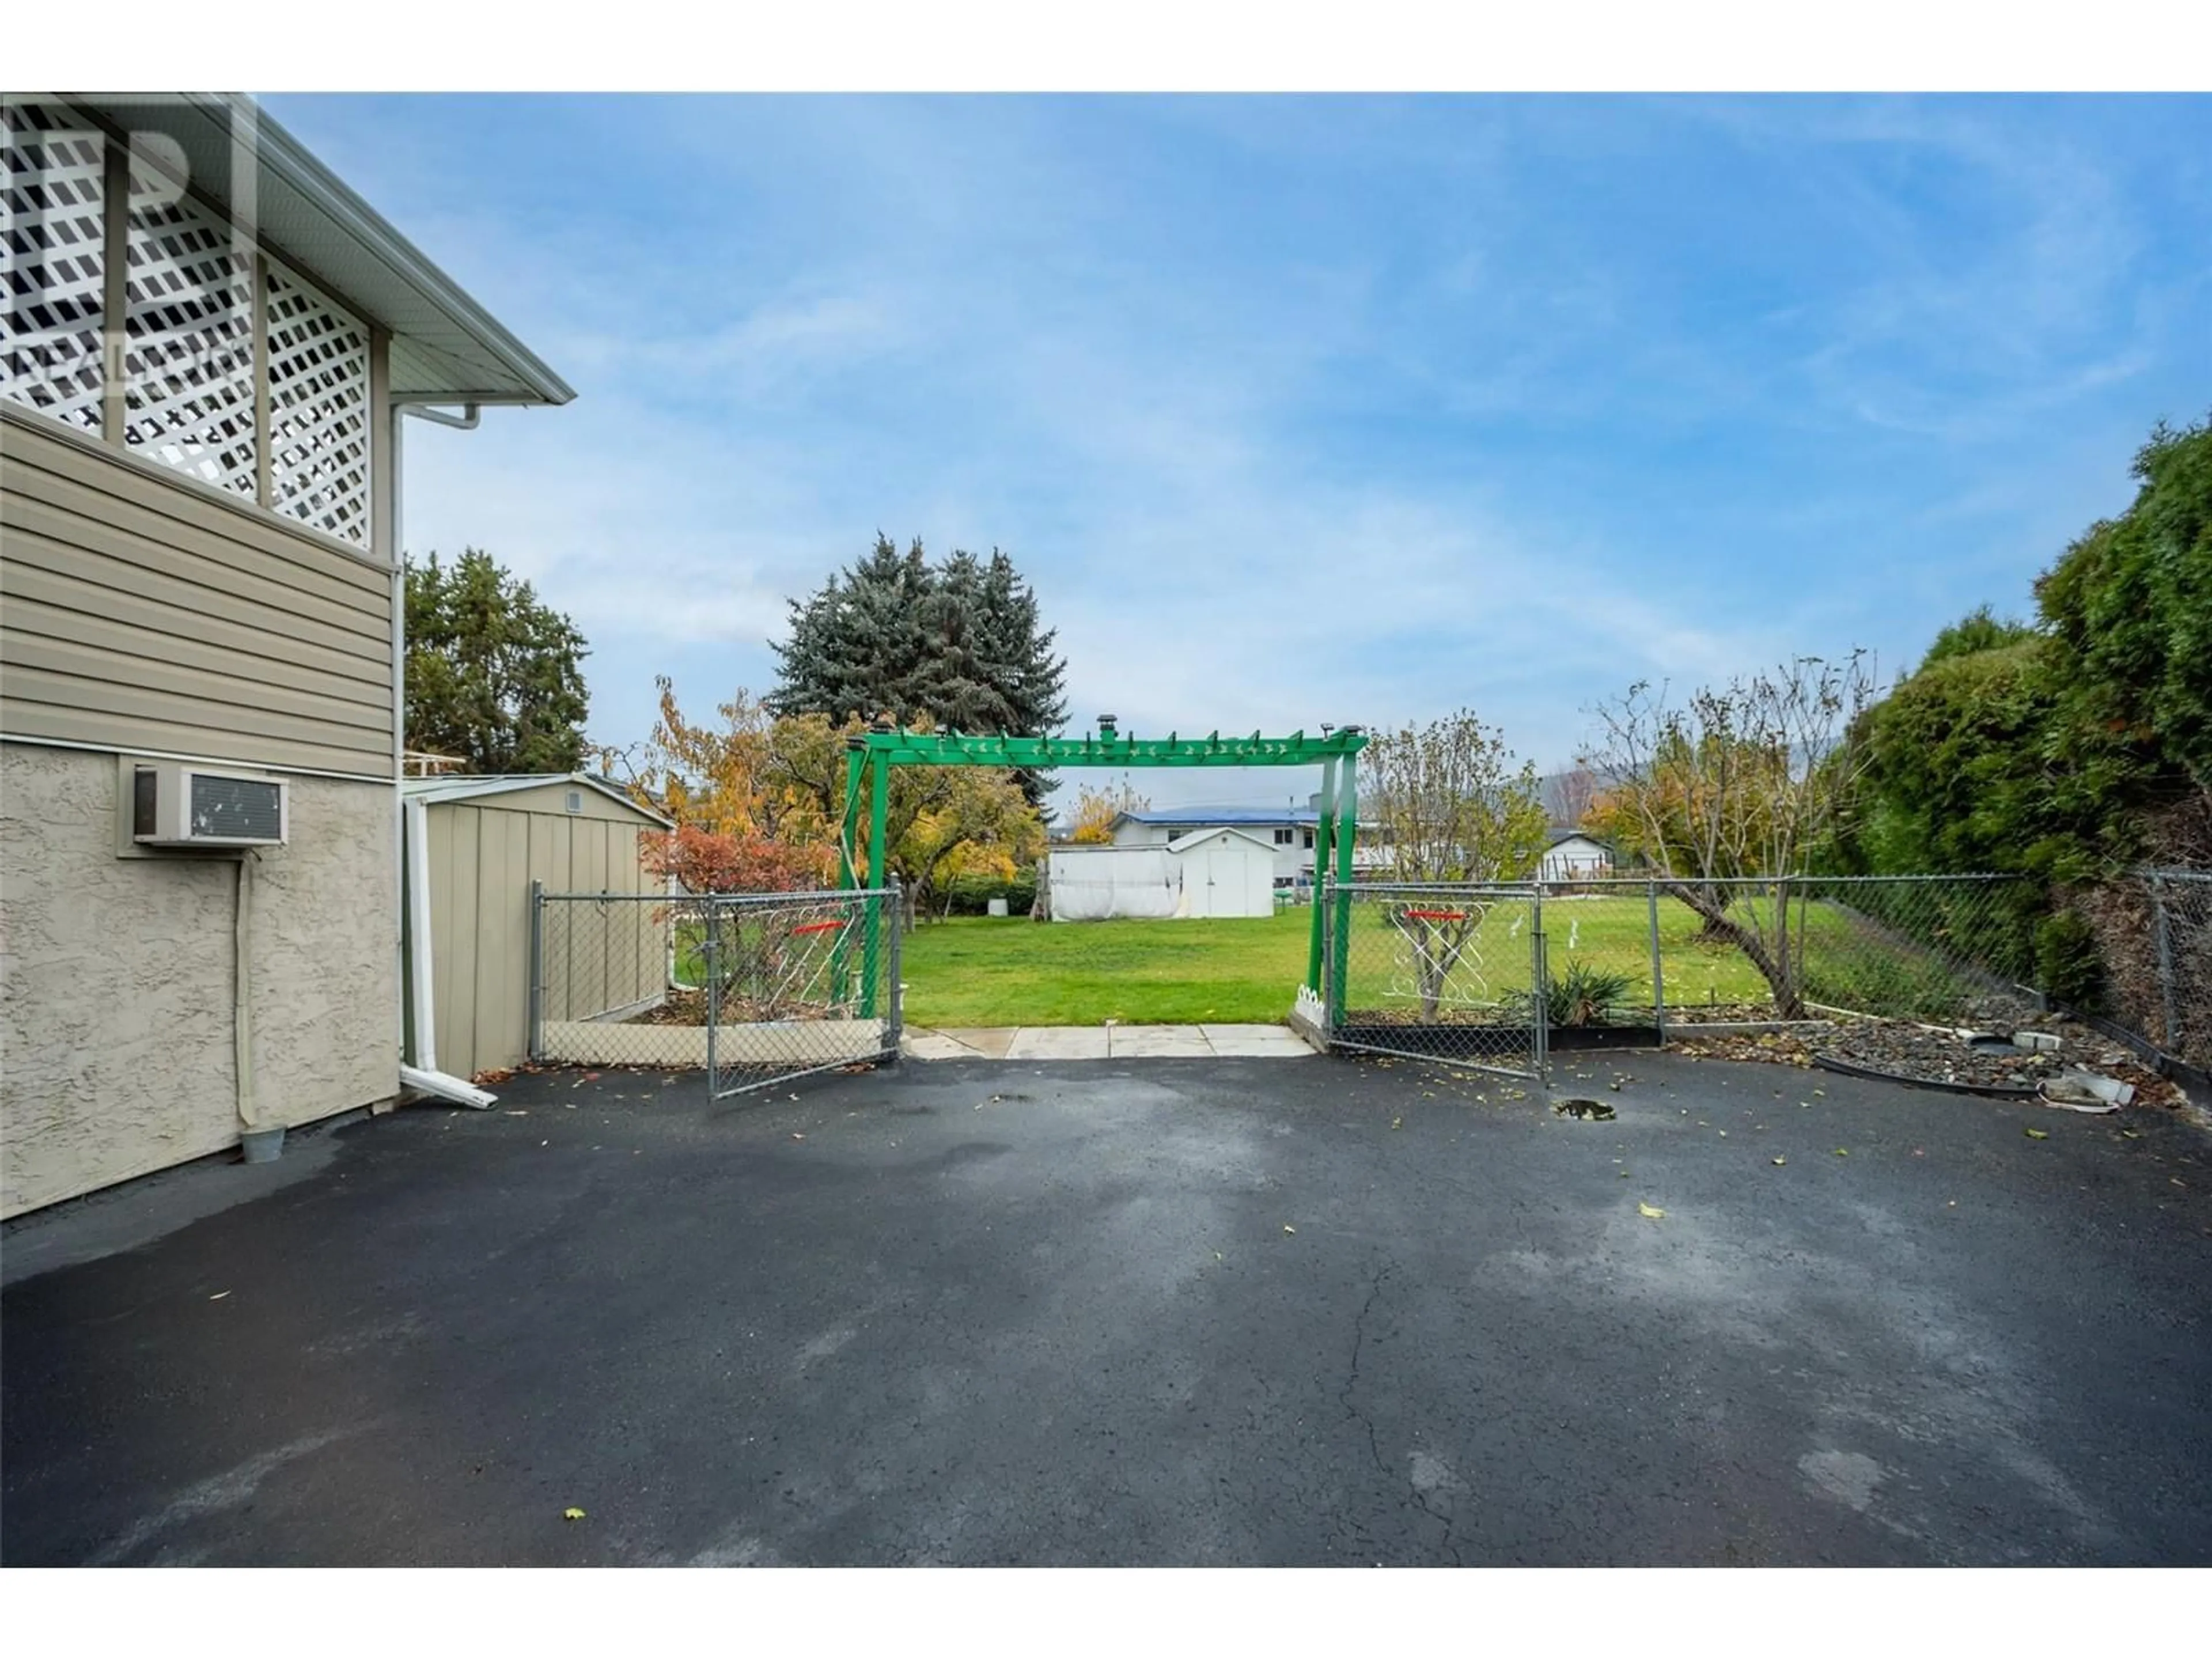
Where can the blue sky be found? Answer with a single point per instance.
(1305, 410)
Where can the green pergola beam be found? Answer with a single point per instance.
(1111, 749)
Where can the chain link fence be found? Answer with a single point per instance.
(1438, 971)
(2154, 934)
(1499, 974)
(1941, 948)
(750, 988)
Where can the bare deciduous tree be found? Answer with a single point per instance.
(1569, 795)
(1450, 805)
(1739, 781)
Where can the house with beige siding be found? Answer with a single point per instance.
(208, 343)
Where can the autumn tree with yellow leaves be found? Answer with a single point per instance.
(1096, 809)
(756, 780)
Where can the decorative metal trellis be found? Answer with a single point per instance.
(53, 228)
(1440, 955)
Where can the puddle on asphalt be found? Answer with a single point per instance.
(1595, 1111)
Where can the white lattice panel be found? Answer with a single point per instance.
(52, 210)
(319, 413)
(188, 359)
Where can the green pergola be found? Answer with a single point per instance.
(874, 753)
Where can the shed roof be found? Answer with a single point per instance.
(1185, 843)
(446, 347)
(1555, 837)
(432, 791)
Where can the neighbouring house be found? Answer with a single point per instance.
(207, 342)
(1286, 831)
(1570, 855)
(475, 848)
(1215, 873)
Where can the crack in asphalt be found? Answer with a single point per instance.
(1414, 1494)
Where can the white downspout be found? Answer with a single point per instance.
(419, 991)
(419, 1070)
(422, 1075)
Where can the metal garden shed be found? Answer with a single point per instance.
(474, 845)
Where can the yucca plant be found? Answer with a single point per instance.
(1580, 995)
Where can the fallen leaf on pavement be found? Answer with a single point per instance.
(2038, 1134)
(1649, 1212)
(1288, 1228)
(1779, 1161)
(572, 1513)
(219, 1296)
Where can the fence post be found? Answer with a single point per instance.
(1540, 1001)
(1783, 959)
(2165, 935)
(1339, 941)
(536, 1047)
(893, 1028)
(713, 990)
(1658, 977)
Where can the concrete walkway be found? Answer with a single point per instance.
(1104, 1042)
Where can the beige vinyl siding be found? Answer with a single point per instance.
(481, 856)
(138, 612)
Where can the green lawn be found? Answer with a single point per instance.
(988, 970)
(1012, 971)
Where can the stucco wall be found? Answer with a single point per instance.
(116, 978)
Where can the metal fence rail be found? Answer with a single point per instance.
(1437, 970)
(750, 988)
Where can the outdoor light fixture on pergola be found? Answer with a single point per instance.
(885, 746)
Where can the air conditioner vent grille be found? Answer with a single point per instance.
(237, 809)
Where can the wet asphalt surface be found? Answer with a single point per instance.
(1174, 1311)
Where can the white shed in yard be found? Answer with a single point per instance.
(1225, 872)
(1214, 873)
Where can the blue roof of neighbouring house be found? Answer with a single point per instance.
(1214, 817)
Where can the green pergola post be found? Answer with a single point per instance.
(841, 971)
(1345, 835)
(1327, 818)
(879, 810)
(847, 876)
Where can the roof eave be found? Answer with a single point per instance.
(375, 239)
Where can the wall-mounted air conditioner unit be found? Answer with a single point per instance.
(177, 805)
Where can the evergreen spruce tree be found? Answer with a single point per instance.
(892, 636)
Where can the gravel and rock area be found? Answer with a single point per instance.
(1933, 1055)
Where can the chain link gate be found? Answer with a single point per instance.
(753, 989)
(1451, 971)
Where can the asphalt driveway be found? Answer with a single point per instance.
(1217, 1311)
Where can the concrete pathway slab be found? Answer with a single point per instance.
(1257, 1041)
(1159, 1042)
(934, 1045)
(990, 1042)
(1059, 1042)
